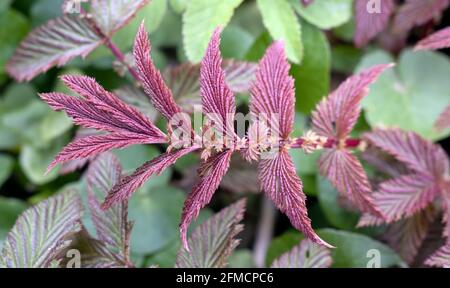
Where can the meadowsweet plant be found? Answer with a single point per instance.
(374, 168)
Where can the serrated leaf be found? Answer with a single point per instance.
(11, 209)
(369, 23)
(183, 81)
(418, 86)
(417, 12)
(418, 154)
(346, 173)
(52, 44)
(43, 232)
(200, 19)
(443, 122)
(338, 216)
(136, 97)
(213, 242)
(437, 40)
(110, 16)
(282, 23)
(407, 235)
(113, 228)
(305, 255)
(325, 14)
(441, 258)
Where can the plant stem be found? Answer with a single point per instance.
(264, 232)
(110, 45)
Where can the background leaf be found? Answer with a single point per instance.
(282, 23)
(325, 14)
(312, 77)
(351, 248)
(212, 242)
(43, 232)
(201, 18)
(411, 95)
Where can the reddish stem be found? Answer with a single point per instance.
(330, 143)
(111, 46)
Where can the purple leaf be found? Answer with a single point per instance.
(305, 255)
(282, 185)
(211, 173)
(110, 16)
(151, 79)
(93, 145)
(217, 99)
(123, 190)
(346, 173)
(43, 232)
(336, 115)
(418, 12)
(440, 258)
(101, 110)
(184, 82)
(135, 97)
(417, 153)
(53, 44)
(438, 40)
(405, 196)
(368, 24)
(407, 235)
(273, 94)
(112, 226)
(89, 89)
(443, 121)
(72, 166)
(213, 242)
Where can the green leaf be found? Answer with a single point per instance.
(132, 157)
(200, 20)
(156, 214)
(4, 5)
(10, 209)
(166, 257)
(29, 119)
(43, 232)
(325, 14)
(241, 258)
(235, 42)
(14, 28)
(256, 52)
(282, 23)
(312, 77)
(345, 58)
(179, 6)
(410, 96)
(6, 166)
(352, 250)
(44, 10)
(213, 242)
(34, 161)
(335, 214)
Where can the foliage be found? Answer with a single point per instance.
(156, 121)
